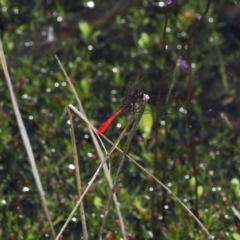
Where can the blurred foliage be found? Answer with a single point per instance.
(103, 48)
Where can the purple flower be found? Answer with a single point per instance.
(182, 63)
(170, 2)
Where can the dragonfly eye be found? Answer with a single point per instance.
(138, 94)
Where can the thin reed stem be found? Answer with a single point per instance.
(144, 170)
(125, 150)
(78, 177)
(82, 115)
(26, 140)
(95, 174)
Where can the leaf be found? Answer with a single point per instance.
(235, 183)
(236, 236)
(85, 85)
(192, 181)
(97, 202)
(200, 190)
(144, 40)
(85, 29)
(10, 45)
(137, 204)
(146, 124)
(95, 34)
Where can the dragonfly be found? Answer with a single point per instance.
(128, 104)
(132, 102)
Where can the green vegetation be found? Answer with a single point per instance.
(192, 145)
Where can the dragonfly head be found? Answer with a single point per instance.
(141, 95)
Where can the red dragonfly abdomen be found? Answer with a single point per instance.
(106, 124)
